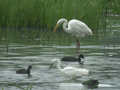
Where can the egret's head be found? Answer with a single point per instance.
(54, 63)
(59, 22)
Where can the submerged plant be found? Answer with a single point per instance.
(21, 88)
(29, 87)
(2, 88)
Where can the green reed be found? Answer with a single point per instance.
(45, 13)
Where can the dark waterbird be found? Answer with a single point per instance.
(74, 59)
(25, 71)
(92, 83)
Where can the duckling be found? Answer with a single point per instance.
(25, 71)
(92, 83)
(73, 59)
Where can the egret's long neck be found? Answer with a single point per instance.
(65, 25)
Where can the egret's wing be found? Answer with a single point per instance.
(78, 28)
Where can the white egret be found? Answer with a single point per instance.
(77, 28)
(71, 72)
(74, 59)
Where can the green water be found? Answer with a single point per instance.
(23, 47)
(18, 49)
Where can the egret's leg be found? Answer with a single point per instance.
(77, 46)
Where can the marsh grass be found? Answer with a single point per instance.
(29, 87)
(45, 13)
(27, 21)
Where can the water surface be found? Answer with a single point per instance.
(103, 64)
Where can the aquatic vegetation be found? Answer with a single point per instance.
(25, 21)
(29, 87)
(40, 13)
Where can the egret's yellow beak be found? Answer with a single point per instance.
(55, 28)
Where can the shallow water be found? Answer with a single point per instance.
(102, 61)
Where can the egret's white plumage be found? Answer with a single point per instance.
(70, 71)
(75, 27)
(78, 28)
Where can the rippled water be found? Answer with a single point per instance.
(102, 61)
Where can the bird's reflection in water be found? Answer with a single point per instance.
(72, 86)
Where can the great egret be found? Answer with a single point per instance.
(74, 59)
(72, 72)
(25, 71)
(77, 28)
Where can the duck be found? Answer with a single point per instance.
(74, 59)
(69, 71)
(91, 83)
(25, 71)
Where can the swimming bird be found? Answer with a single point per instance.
(74, 59)
(92, 83)
(25, 71)
(72, 72)
(76, 28)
